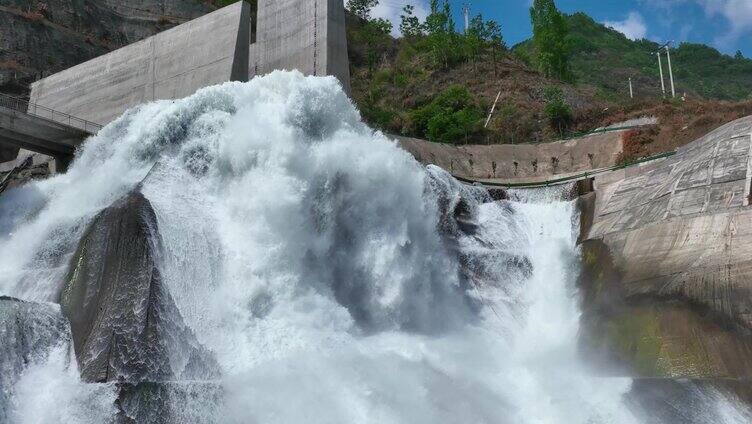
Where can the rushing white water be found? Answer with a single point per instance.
(317, 262)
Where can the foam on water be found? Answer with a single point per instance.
(305, 251)
(50, 391)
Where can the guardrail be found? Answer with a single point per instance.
(564, 180)
(34, 109)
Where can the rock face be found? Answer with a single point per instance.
(27, 332)
(124, 322)
(667, 267)
(26, 167)
(125, 325)
(38, 38)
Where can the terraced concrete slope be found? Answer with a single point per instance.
(520, 162)
(667, 249)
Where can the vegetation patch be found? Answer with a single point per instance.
(452, 117)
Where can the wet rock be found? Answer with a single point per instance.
(170, 402)
(457, 202)
(27, 332)
(125, 325)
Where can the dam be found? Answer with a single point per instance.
(254, 252)
(252, 258)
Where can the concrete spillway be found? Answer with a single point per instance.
(669, 243)
(666, 247)
(529, 163)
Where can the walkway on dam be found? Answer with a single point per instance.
(560, 179)
(40, 129)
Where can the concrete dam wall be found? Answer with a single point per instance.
(226, 45)
(173, 64)
(667, 255)
(305, 35)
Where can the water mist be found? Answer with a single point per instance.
(332, 278)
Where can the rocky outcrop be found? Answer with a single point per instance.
(38, 38)
(125, 325)
(667, 273)
(27, 332)
(25, 168)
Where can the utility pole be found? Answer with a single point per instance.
(670, 70)
(660, 68)
(466, 14)
(631, 92)
(493, 108)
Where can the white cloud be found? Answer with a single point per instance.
(391, 10)
(737, 12)
(633, 26)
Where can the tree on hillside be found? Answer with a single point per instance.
(493, 31)
(739, 55)
(361, 8)
(451, 117)
(481, 36)
(442, 38)
(410, 25)
(557, 110)
(550, 39)
(484, 35)
(440, 19)
(375, 35)
(475, 37)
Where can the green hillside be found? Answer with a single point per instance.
(606, 59)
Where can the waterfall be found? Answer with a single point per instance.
(317, 272)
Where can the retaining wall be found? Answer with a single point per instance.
(520, 162)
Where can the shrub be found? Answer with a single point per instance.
(451, 117)
(557, 110)
(633, 142)
(400, 80)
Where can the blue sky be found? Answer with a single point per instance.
(724, 24)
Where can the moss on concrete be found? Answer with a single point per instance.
(652, 336)
(636, 338)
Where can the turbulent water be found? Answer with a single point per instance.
(333, 278)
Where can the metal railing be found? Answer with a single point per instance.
(34, 109)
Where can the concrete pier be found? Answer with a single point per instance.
(42, 130)
(307, 35)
